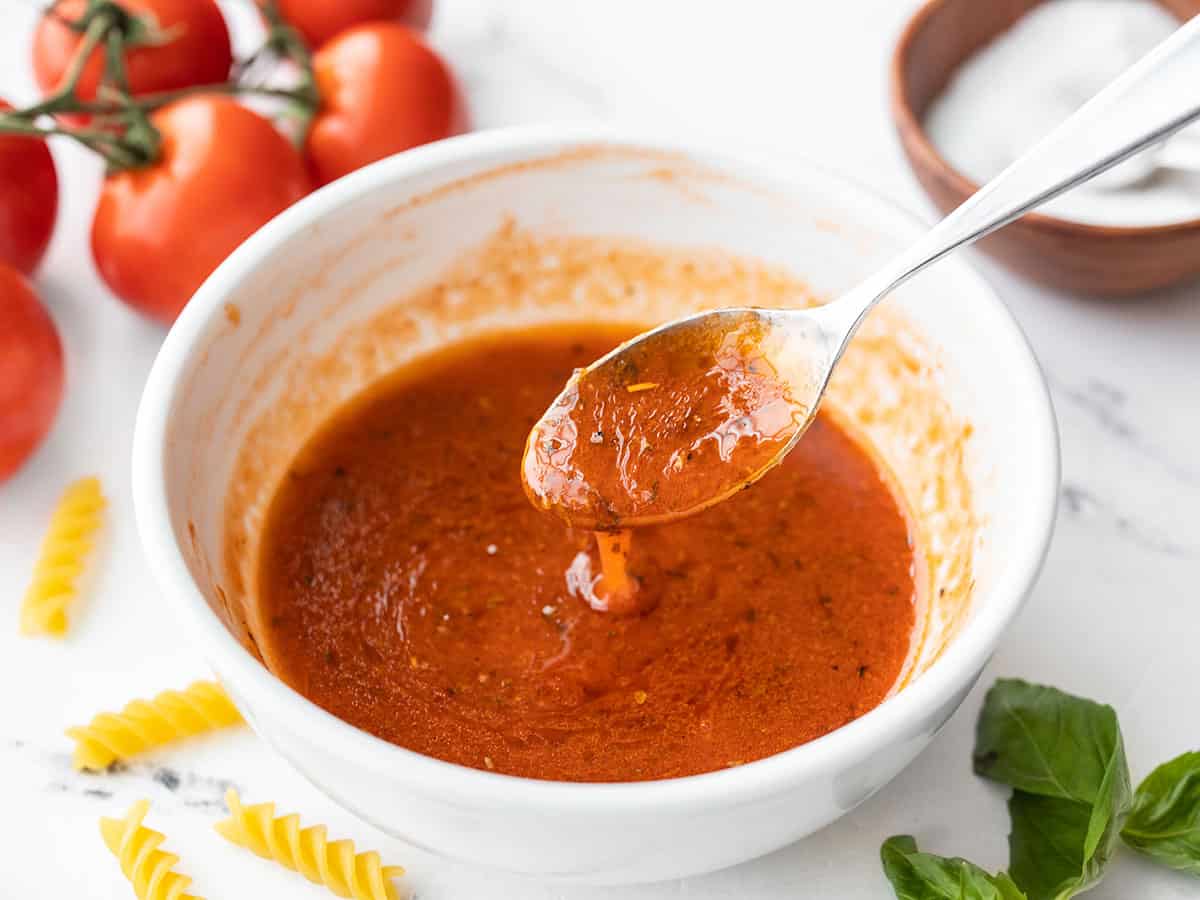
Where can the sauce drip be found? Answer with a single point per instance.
(408, 587)
(614, 563)
(614, 589)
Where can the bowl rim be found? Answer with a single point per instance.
(951, 673)
(917, 142)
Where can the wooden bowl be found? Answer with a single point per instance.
(1090, 259)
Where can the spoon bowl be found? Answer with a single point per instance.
(681, 417)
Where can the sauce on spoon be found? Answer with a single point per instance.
(660, 429)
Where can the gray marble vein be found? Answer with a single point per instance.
(194, 790)
(1105, 404)
(1081, 504)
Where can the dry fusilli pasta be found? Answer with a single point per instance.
(147, 868)
(64, 548)
(144, 724)
(331, 863)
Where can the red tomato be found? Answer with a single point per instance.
(198, 51)
(28, 199)
(31, 371)
(159, 231)
(321, 20)
(382, 91)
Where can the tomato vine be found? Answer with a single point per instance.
(118, 125)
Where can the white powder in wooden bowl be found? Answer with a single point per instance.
(1025, 82)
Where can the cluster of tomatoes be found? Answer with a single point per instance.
(192, 171)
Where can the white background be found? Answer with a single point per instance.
(1114, 616)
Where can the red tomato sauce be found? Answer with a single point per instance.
(409, 587)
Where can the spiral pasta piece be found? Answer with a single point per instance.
(308, 851)
(148, 869)
(144, 724)
(64, 549)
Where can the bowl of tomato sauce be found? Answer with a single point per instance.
(328, 482)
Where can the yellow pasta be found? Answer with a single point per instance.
(148, 869)
(331, 863)
(64, 548)
(144, 724)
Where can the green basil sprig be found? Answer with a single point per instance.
(1071, 803)
(923, 876)
(1065, 760)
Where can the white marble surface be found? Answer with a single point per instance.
(1115, 615)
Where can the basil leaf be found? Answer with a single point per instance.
(1165, 820)
(1047, 856)
(1043, 741)
(1066, 760)
(923, 876)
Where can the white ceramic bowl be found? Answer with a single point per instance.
(360, 244)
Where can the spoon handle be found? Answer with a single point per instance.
(1150, 101)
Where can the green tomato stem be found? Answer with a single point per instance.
(287, 43)
(159, 99)
(140, 139)
(65, 97)
(108, 144)
(130, 139)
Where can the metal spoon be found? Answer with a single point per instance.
(1149, 102)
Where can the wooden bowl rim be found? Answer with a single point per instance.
(912, 133)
